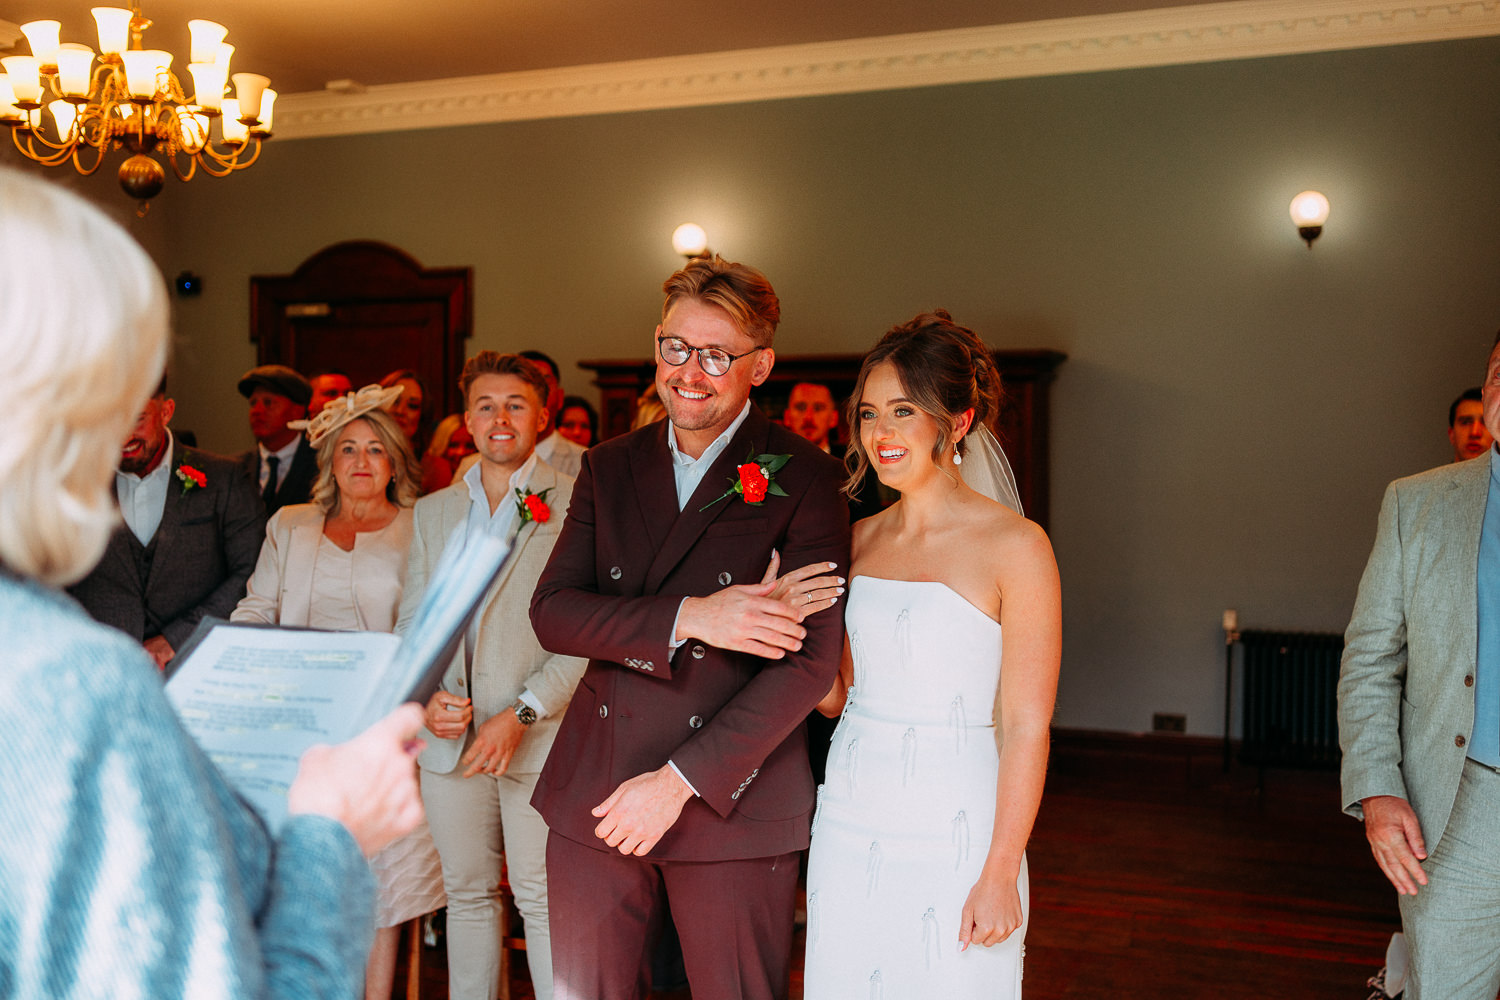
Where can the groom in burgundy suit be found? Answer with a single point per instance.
(680, 770)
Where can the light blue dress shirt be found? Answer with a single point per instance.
(143, 499)
(502, 524)
(1484, 743)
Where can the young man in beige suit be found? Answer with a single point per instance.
(492, 722)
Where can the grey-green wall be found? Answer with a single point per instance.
(1232, 404)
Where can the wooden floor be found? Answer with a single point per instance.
(1155, 874)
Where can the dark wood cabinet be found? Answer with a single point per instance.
(1023, 427)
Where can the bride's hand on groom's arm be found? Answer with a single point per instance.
(807, 590)
(991, 913)
(641, 811)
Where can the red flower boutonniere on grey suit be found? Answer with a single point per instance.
(757, 478)
(533, 506)
(191, 478)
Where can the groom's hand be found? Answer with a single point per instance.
(743, 618)
(641, 810)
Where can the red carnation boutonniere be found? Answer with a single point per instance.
(756, 480)
(533, 506)
(191, 478)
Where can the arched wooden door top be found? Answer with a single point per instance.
(368, 308)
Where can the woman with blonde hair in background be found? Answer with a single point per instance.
(131, 869)
(340, 563)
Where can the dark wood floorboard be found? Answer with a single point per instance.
(1155, 874)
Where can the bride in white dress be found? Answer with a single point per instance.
(917, 874)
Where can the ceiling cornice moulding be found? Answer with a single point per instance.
(1241, 29)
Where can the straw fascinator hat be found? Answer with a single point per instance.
(350, 406)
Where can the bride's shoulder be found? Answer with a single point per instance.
(1009, 536)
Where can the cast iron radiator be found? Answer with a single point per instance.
(1290, 705)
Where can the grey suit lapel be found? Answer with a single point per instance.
(1468, 495)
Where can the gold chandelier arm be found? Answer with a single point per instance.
(29, 149)
(192, 164)
(78, 163)
(222, 164)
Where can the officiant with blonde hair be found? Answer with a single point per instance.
(339, 563)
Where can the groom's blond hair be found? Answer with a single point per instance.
(739, 289)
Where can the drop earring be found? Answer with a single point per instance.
(958, 458)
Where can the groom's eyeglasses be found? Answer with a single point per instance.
(713, 361)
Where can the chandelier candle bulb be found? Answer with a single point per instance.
(114, 29)
(267, 107)
(8, 110)
(207, 37)
(208, 84)
(142, 66)
(64, 114)
(44, 37)
(247, 90)
(25, 80)
(74, 63)
(234, 127)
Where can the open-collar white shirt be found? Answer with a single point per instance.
(143, 499)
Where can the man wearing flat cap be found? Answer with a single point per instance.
(282, 465)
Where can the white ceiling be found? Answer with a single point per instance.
(303, 44)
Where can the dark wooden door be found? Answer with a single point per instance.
(367, 309)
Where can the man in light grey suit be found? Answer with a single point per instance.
(1419, 715)
(493, 721)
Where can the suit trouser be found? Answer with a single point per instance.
(475, 822)
(1452, 924)
(734, 918)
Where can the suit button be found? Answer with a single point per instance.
(614, 573)
(1459, 741)
(696, 722)
(603, 711)
(1468, 680)
(699, 652)
(725, 579)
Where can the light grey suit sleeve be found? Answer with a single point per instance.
(1373, 673)
(262, 601)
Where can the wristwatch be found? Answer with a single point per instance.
(524, 712)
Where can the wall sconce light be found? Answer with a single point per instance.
(1309, 212)
(690, 240)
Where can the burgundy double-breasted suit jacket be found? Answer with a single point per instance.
(731, 722)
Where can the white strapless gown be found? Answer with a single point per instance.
(905, 815)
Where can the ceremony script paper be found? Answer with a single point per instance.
(256, 698)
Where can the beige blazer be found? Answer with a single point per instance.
(507, 657)
(1406, 695)
(280, 590)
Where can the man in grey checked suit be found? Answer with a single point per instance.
(193, 530)
(493, 721)
(1419, 715)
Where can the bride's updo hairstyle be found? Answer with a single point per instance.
(944, 369)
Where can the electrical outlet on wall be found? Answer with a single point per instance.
(1163, 722)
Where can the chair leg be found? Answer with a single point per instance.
(414, 959)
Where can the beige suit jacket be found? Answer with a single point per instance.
(507, 657)
(280, 589)
(1406, 695)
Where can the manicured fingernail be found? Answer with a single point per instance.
(839, 590)
(842, 580)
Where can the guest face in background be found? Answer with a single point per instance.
(361, 466)
(811, 413)
(460, 445)
(148, 439)
(269, 414)
(407, 409)
(506, 417)
(554, 400)
(1466, 426)
(577, 422)
(326, 388)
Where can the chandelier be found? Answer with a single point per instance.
(132, 100)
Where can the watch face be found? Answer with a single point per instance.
(526, 714)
